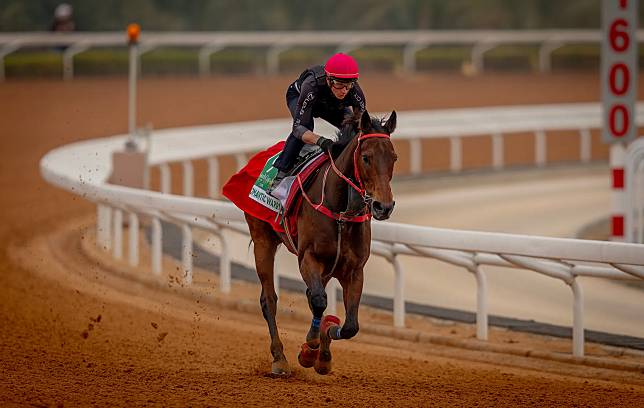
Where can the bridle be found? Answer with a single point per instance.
(359, 187)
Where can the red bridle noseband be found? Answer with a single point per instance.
(359, 188)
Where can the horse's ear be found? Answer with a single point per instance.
(365, 122)
(390, 125)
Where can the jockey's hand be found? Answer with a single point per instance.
(324, 143)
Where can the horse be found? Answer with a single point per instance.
(333, 239)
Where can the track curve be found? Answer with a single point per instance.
(209, 356)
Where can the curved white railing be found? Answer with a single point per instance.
(83, 168)
(634, 174)
(209, 43)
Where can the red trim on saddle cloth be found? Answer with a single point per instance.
(238, 187)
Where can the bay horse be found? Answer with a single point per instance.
(333, 239)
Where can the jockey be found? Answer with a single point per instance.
(328, 92)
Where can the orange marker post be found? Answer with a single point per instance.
(133, 31)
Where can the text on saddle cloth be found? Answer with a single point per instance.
(286, 194)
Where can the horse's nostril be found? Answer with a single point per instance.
(382, 210)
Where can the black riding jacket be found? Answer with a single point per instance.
(317, 100)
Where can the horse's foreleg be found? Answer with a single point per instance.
(311, 270)
(317, 306)
(351, 292)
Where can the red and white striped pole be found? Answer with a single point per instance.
(618, 196)
(619, 69)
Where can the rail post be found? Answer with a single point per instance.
(133, 239)
(186, 253)
(166, 178)
(157, 250)
(213, 177)
(497, 151)
(117, 228)
(399, 292)
(68, 59)
(224, 264)
(456, 154)
(103, 227)
(481, 303)
(188, 178)
(577, 319)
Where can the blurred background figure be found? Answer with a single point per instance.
(63, 18)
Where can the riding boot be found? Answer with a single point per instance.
(289, 154)
(276, 181)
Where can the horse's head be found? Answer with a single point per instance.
(374, 160)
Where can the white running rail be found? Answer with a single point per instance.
(83, 168)
(634, 174)
(277, 42)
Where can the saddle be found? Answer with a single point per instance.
(247, 189)
(306, 157)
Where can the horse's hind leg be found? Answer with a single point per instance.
(265, 245)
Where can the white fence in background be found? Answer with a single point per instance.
(277, 42)
(83, 167)
(634, 174)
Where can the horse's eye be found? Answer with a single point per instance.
(365, 158)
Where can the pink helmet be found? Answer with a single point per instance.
(341, 66)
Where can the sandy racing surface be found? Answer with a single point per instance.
(74, 331)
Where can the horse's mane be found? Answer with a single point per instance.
(349, 130)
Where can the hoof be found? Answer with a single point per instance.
(327, 322)
(280, 369)
(307, 356)
(323, 363)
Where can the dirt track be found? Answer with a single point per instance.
(51, 356)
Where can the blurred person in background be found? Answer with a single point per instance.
(329, 92)
(63, 18)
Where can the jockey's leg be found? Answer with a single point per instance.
(289, 153)
(284, 163)
(293, 145)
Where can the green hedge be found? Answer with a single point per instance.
(243, 60)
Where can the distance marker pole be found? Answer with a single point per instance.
(133, 31)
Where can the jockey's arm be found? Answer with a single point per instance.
(310, 138)
(303, 120)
